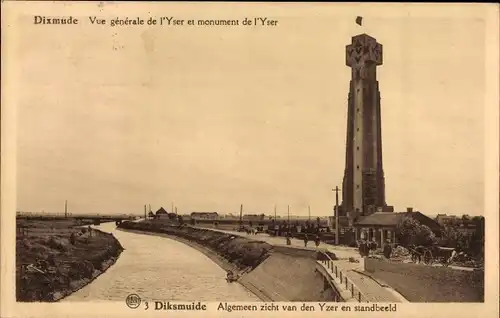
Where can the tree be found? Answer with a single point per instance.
(411, 232)
(451, 237)
(180, 219)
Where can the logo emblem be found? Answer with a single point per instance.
(133, 301)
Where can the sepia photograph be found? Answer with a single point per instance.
(268, 155)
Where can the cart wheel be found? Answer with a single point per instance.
(428, 258)
(445, 262)
(414, 257)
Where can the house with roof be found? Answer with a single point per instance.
(205, 215)
(163, 214)
(381, 226)
(444, 219)
(161, 211)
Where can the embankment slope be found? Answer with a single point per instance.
(51, 265)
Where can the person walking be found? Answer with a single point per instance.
(306, 239)
(388, 249)
(317, 240)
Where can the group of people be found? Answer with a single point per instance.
(317, 240)
(365, 247)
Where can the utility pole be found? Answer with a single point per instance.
(145, 213)
(337, 232)
(241, 216)
(275, 213)
(309, 208)
(172, 207)
(66, 209)
(289, 218)
(175, 210)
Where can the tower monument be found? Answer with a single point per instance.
(363, 186)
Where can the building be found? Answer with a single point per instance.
(161, 211)
(253, 217)
(444, 219)
(382, 225)
(205, 215)
(163, 214)
(363, 186)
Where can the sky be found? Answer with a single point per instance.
(208, 118)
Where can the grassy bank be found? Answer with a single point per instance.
(56, 258)
(240, 252)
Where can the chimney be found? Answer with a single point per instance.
(409, 210)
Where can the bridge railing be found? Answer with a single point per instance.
(337, 273)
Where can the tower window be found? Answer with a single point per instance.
(357, 148)
(357, 167)
(357, 110)
(357, 186)
(357, 129)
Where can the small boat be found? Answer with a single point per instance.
(231, 277)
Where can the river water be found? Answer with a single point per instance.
(162, 269)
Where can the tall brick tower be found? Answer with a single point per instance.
(363, 187)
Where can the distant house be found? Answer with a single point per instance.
(444, 219)
(161, 211)
(253, 217)
(163, 214)
(205, 215)
(382, 225)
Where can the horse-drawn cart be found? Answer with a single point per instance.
(432, 254)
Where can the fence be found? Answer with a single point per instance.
(345, 282)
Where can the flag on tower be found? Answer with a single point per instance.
(359, 20)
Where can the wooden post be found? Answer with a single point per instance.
(241, 216)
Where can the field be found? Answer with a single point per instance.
(54, 258)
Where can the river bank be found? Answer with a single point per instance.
(57, 258)
(240, 253)
(271, 273)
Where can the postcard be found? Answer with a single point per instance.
(192, 159)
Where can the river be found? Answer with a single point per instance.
(160, 268)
